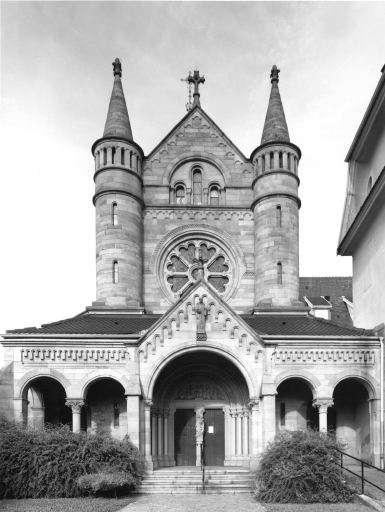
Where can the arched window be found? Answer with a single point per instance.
(279, 216)
(370, 184)
(180, 193)
(113, 155)
(114, 214)
(115, 276)
(271, 160)
(280, 160)
(197, 187)
(288, 161)
(122, 156)
(279, 273)
(214, 196)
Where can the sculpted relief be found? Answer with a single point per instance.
(200, 390)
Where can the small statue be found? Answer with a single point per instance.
(200, 425)
(201, 314)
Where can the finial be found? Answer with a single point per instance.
(274, 74)
(196, 80)
(117, 67)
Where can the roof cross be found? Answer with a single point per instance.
(196, 80)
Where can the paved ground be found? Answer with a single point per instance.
(223, 503)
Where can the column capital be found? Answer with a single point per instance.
(233, 412)
(75, 404)
(246, 411)
(148, 403)
(323, 403)
(253, 403)
(166, 413)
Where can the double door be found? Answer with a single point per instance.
(214, 437)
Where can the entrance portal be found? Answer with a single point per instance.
(185, 437)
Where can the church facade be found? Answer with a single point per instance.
(197, 311)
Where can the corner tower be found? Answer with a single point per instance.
(275, 205)
(118, 203)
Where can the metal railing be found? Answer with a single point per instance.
(203, 468)
(363, 464)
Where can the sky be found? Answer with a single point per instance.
(56, 82)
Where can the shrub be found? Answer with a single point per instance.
(103, 481)
(47, 463)
(302, 467)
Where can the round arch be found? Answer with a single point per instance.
(371, 385)
(80, 390)
(158, 366)
(23, 383)
(303, 375)
(201, 156)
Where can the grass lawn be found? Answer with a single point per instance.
(65, 505)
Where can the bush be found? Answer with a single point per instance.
(102, 481)
(302, 467)
(47, 463)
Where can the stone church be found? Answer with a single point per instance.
(197, 306)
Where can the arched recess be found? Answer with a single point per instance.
(201, 156)
(22, 384)
(231, 355)
(371, 385)
(80, 390)
(303, 375)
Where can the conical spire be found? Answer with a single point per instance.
(118, 122)
(275, 128)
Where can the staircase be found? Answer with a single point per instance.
(189, 481)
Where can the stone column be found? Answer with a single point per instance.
(126, 158)
(375, 430)
(233, 414)
(20, 409)
(134, 162)
(292, 162)
(284, 160)
(154, 429)
(259, 166)
(76, 406)
(166, 413)
(276, 160)
(160, 432)
(109, 155)
(254, 405)
(246, 414)
(147, 431)
(188, 190)
(139, 161)
(118, 155)
(323, 404)
(133, 418)
(37, 420)
(267, 161)
(205, 196)
(172, 195)
(239, 432)
(268, 408)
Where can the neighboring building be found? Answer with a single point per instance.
(198, 306)
(362, 233)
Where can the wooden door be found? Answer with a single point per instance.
(214, 453)
(184, 435)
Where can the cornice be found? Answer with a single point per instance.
(114, 167)
(276, 143)
(202, 207)
(275, 171)
(344, 249)
(117, 191)
(269, 196)
(122, 139)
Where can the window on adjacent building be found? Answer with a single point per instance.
(114, 214)
(214, 196)
(279, 273)
(116, 414)
(180, 193)
(279, 216)
(116, 272)
(197, 187)
(283, 414)
(370, 184)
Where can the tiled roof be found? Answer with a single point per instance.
(300, 326)
(335, 288)
(318, 301)
(94, 324)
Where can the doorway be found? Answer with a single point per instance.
(214, 449)
(185, 448)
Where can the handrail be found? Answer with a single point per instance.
(203, 469)
(362, 476)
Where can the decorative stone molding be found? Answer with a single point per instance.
(200, 390)
(148, 404)
(323, 403)
(198, 214)
(76, 405)
(38, 355)
(323, 356)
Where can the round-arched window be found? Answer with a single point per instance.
(214, 196)
(180, 193)
(197, 187)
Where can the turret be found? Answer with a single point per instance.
(276, 204)
(118, 203)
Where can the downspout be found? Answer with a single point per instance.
(382, 404)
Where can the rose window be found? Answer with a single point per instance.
(191, 260)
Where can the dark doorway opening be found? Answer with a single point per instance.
(184, 434)
(214, 449)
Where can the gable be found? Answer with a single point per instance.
(179, 325)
